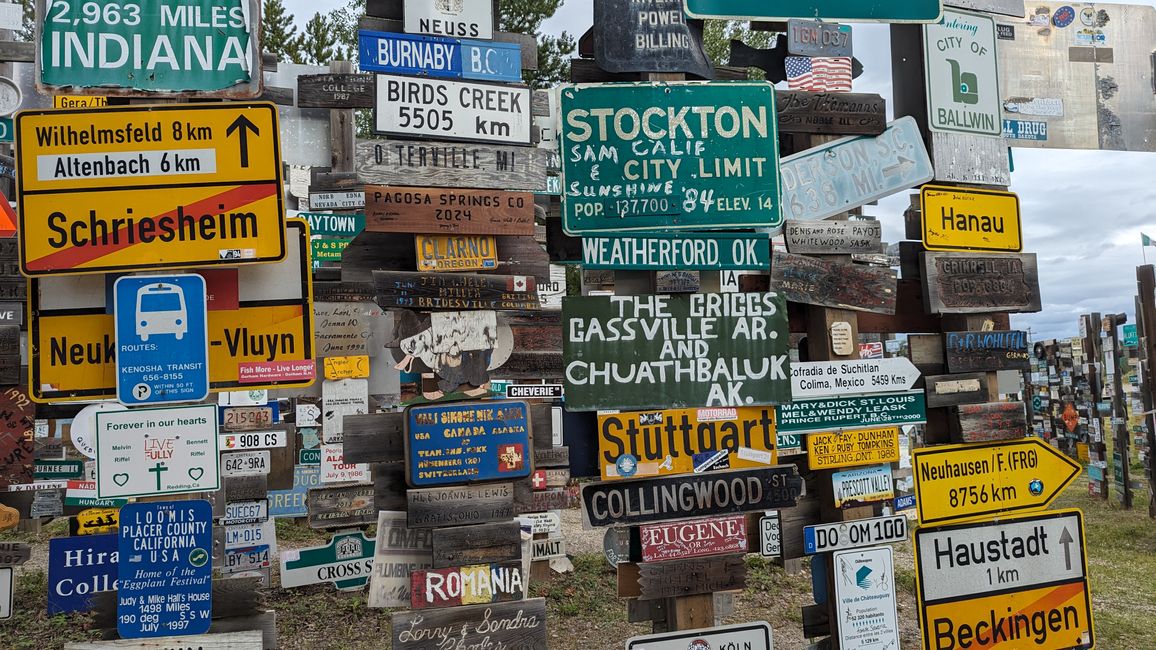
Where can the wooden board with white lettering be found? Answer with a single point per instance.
(953, 390)
(445, 291)
(520, 624)
(335, 91)
(341, 506)
(468, 585)
(437, 164)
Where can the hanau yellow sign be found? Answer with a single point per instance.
(966, 482)
(260, 329)
(456, 252)
(661, 443)
(959, 219)
(853, 447)
(148, 187)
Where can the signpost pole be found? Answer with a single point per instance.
(1092, 347)
(1146, 314)
(1119, 415)
(341, 127)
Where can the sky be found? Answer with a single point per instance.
(1082, 211)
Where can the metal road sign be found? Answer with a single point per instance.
(149, 187)
(965, 482)
(146, 452)
(865, 610)
(452, 110)
(676, 156)
(435, 56)
(750, 636)
(843, 535)
(260, 329)
(962, 74)
(823, 181)
(346, 561)
(814, 38)
(678, 251)
(856, 487)
(341, 225)
(853, 447)
(855, 412)
(162, 349)
(827, 378)
(903, 11)
(1021, 581)
(79, 567)
(469, 19)
(962, 219)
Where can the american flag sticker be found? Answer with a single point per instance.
(819, 74)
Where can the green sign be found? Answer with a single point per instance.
(326, 249)
(5, 129)
(341, 225)
(893, 11)
(346, 561)
(669, 157)
(697, 251)
(672, 352)
(58, 469)
(309, 456)
(814, 415)
(1131, 337)
(203, 47)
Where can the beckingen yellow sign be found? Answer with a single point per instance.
(456, 252)
(148, 187)
(958, 219)
(262, 337)
(967, 482)
(853, 447)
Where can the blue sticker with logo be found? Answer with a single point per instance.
(1064, 16)
(627, 465)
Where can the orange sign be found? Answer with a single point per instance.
(1070, 417)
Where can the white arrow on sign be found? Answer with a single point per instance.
(861, 376)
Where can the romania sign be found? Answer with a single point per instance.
(149, 187)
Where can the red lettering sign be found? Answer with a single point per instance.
(694, 538)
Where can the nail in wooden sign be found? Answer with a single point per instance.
(475, 584)
(519, 624)
(989, 422)
(478, 544)
(813, 281)
(438, 164)
(987, 351)
(971, 283)
(694, 538)
(456, 252)
(849, 448)
(831, 113)
(457, 291)
(335, 91)
(459, 443)
(551, 457)
(457, 506)
(689, 577)
(833, 237)
(340, 507)
(423, 210)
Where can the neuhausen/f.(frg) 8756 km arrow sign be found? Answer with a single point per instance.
(141, 187)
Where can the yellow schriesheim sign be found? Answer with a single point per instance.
(148, 187)
(964, 219)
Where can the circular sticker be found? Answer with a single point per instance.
(699, 644)
(1036, 487)
(1088, 16)
(616, 545)
(1063, 16)
(627, 465)
(83, 429)
(198, 557)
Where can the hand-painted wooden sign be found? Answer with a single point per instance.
(458, 347)
(474, 584)
(689, 577)
(989, 422)
(423, 210)
(816, 415)
(659, 443)
(987, 351)
(477, 544)
(17, 422)
(399, 552)
(833, 237)
(972, 283)
(456, 252)
(694, 538)
(340, 506)
(857, 487)
(961, 219)
(644, 165)
(460, 443)
(813, 281)
(691, 251)
(346, 561)
(639, 352)
(813, 38)
(953, 390)
(335, 91)
(437, 164)
(520, 624)
(650, 37)
(640, 501)
(460, 505)
(853, 447)
(444, 291)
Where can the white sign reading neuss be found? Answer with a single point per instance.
(452, 110)
(457, 18)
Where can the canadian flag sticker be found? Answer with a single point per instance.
(520, 283)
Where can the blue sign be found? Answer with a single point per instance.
(461, 443)
(162, 350)
(78, 568)
(435, 56)
(166, 569)
(904, 502)
(291, 503)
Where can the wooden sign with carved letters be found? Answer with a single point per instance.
(973, 283)
(520, 624)
(812, 281)
(689, 577)
(423, 210)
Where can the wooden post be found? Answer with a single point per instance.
(1146, 315)
(341, 127)
(1093, 352)
(1119, 422)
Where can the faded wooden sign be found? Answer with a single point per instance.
(17, 424)
(459, 443)
(689, 577)
(648, 37)
(477, 544)
(340, 507)
(966, 283)
(459, 347)
(815, 281)
(638, 352)
(407, 162)
(456, 252)
(475, 584)
(457, 506)
(989, 422)
(833, 237)
(831, 113)
(424, 210)
(335, 91)
(398, 553)
(694, 538)
(520, 624)
(442, 291)
(987, 351)
(952, 390)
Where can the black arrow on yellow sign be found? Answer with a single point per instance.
(242, 126)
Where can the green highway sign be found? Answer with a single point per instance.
(890, 11)
(679, 156)
(339, 225)
(6, 129)
(889, 409)
(1131, 336)
(697, 251)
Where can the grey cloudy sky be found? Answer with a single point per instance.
(1083, 211)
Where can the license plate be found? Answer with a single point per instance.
(254, 440)
(245, 418)
(245, 463)
(245, 512)
(245, 559)
(244, 535)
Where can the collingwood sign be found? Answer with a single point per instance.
(639, 352)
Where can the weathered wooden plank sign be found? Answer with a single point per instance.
(640, 501)
(520, 624)
(813, 38)
(638, 352)
(690, 251)
(399, 552)
(340, 507)
(335, 91)
(853, 447)
(971, 283)
(689, 577)
(843, 412)
(833, 237)
(551, 457)
(456, 252)
(422, 210)
(438, 164)
(989, 422)
(443, 291)
(953, 390)
(451, 110)
(814, 281)
(457, 506)
(694, 538)
(458, 443)
(660, 443)
(987, 351)
(475, 584)
(960, 219)
(248, 640)
(651, 37)
(714, 172)
(477, 544)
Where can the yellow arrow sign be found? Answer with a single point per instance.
(965, 482)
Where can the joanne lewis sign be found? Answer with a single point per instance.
(669, 156)
(640, 352)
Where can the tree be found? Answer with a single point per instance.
(278, 32)
(718, 34)
(27, 31)
(318, 44)
(526, 17)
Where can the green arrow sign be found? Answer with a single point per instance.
(894, 11)
(346, 561)
(889, 409)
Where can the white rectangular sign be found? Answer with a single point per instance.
(843, 535)
(862, 376)
(541, 522)
(336, 200)
(544, 549)
(11, 16)
(255, 534)
(454, 110)
(770, 537)
(252, 440)
(245, 512)
(865, 599)
(748, 636)
(147, 452)
(245, 463)
(340, 398)
(334, 469)
(962, 74)
(457, 18)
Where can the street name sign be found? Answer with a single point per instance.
(823, 181)
(678, 251)
(965, 482)
(464, 18)
(454, 110)
(334, 200)
(908, 11)
(854, 412)
(770, 536)
(435, 56)
(534, 391)
(340, 225)
(669, 157)
(147, 452)
(843, 535)
(463, 443)
(960, 219)
(149, 187)
(851, 447)
(829, 378)
(749, 636)
(149, 48)
(1019, 580)
(962, 74)
(865, 598)
(346, 561)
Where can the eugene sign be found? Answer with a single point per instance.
(669, 156)
(639, 352)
